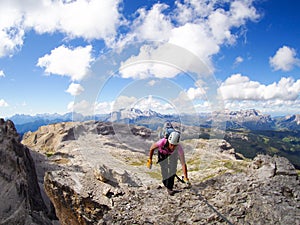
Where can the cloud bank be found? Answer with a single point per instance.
(238, 87)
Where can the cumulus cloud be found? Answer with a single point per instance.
(238, 87)
(210, 26)
(200, 27)
(152, 24)
(88, 19)
(151, 103)
(197, 39)
(183, 104)
(284, 59)
(10, 44)
(75, 89)
(196, 93)
(161, 62)
(88, 108)
(3, 103)
(63, 61)
(2, 73)
(83, 107)
(103, 107)
(124, 102)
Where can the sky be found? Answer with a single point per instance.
(184, 56)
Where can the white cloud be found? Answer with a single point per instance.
(238, 87)
(89, 19)
(11, 29)
(152, 62)
(103, 107)
(88, 108)
(3, 103)
(240, 11)
(152, 24)
(151, 103)
(67, 62)
(75, 89)
(284, 59)
(238, 60)
(2, 73)
(208, 26)
(196, 93)
(123, 102)
(200, 27)
(192, 11)
(84, 107)
(219, 23)
(196, 39)
(183, 104)
(204, 106)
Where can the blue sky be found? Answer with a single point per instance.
(98, 56)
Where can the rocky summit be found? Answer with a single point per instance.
(95, 173)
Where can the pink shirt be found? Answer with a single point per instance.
(166, 151)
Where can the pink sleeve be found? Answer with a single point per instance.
(180, 150)
(161, 143)
(181, 155)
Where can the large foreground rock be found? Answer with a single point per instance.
(21, 201)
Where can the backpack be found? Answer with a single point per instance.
(167, 130)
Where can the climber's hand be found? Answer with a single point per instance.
(149, 163)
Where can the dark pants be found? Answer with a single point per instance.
(168, 165)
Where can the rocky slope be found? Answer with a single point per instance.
(95, 173)
(21, 200)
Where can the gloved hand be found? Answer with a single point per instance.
(187, 181)
(149, 163)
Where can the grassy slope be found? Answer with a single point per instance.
(283, 143)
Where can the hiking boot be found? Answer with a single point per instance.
(171, 192)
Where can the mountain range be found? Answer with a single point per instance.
(244, 119)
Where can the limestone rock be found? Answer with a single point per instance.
(116, 176)
(21, 201)
(101, 178)
(75, 203)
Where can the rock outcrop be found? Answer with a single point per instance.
(96, 174)
(21, 201)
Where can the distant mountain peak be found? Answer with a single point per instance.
(247, 112)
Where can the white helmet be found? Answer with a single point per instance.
(174, 138)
